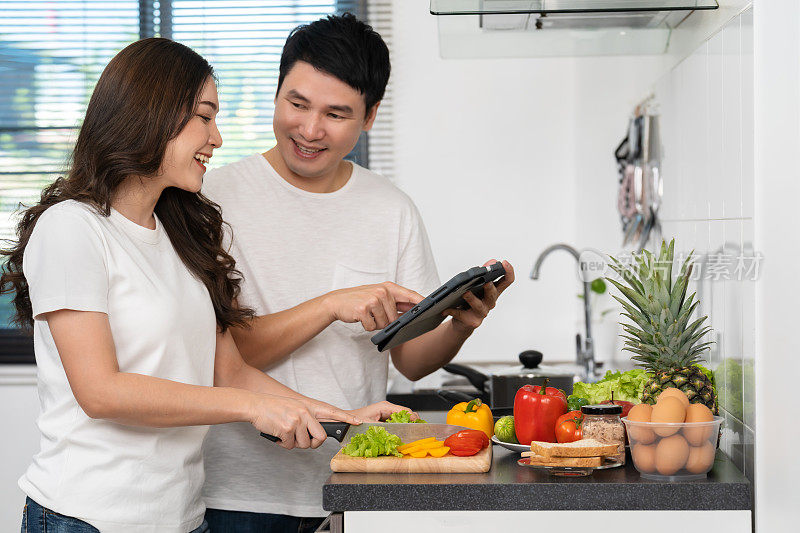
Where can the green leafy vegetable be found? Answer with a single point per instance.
(404, 417)
(598, 286)
(627, 386)
(375, 442)
(574, 403)
(729, 376)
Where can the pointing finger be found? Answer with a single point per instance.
(401, 294)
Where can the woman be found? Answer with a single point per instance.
(121, 272)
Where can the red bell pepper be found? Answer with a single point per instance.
(536, 409)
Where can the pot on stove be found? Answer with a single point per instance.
(497, 389)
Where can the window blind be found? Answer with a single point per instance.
(381, 136)
(53, 52)
(51, 55)
(243, 40)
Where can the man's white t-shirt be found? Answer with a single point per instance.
(291, 246)
(116, 477)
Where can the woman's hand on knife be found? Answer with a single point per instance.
(296, 422)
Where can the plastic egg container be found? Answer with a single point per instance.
(673, 451)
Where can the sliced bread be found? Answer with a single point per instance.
(579, 448)
(563, 461)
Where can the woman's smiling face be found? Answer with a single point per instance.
(187, 154)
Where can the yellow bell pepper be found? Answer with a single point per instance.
(473, 415)
(405, 447)
(423, 446)
(439, 452)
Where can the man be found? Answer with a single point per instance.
(316, 239)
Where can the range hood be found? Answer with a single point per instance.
(559, 27)
(544, 7)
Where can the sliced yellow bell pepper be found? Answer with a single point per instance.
(414, 443)
(424, 446)
(473, 415)
(439, 452)
(420, 455)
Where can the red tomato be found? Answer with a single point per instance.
(569, 427)
(467, 442)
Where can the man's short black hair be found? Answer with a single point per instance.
(344, 47)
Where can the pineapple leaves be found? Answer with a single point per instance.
(661, 333)
(638, 299)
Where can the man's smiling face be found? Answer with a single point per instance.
(317, 121)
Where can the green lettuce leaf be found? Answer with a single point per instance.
(403, 417)
(374, 443)
(627, 386)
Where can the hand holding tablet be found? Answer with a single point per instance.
(429, 313)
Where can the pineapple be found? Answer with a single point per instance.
(661, 335)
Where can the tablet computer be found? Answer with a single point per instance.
(427, 314)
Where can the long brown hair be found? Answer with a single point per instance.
(143, 99)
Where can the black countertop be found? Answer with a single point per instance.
(509, 486)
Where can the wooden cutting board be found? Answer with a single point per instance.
(449, 464)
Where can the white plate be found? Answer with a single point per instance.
(510, 446)
(570, 471)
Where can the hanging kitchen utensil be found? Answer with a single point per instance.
(640, 185)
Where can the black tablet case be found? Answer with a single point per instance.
(427, 314)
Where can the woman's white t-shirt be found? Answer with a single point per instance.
(113, 476)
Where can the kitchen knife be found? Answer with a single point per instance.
(332, 429)
(407, 432)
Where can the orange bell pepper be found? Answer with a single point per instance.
(473, 415)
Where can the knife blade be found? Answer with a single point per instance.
(407, 432)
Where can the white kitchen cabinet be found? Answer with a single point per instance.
(20, 441)
(738, 521)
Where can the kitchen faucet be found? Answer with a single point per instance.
(585, 351)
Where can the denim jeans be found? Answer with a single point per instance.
(243, 522)
(38, 519)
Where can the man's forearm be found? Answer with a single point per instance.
(427, 353)
(271, 338)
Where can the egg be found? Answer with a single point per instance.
(671, 454)
(644, 457)
(670, 410)
(700, 458)
(697, 412)
(672, 392)
(638, 433)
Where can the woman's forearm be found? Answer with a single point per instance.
(140, 400)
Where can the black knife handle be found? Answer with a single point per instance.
(332, 429)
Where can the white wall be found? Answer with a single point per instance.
(485, 148)
(491, 151)
(706, 113)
